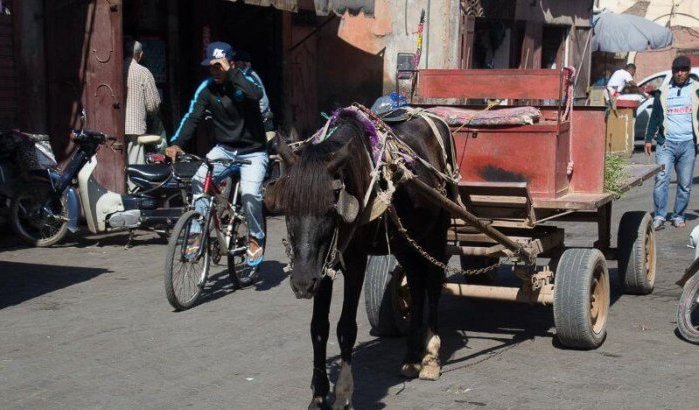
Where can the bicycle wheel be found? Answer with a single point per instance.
(35, 221)
(688, 311)
(239, 272)
(186, 269)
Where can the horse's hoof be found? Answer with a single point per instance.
(318, 403)
(410, 370)
(430, 373)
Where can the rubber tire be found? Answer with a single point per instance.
(379, 294)
(232, 271)
(684, 310)
(635, 276)
(572, 294)
(30, 189)
(479, 262)
(172, 247)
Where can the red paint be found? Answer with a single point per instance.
(537, 154)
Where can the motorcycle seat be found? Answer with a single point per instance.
(149, 172)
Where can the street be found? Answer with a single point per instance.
(86, 325)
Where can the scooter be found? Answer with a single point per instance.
(43, 212)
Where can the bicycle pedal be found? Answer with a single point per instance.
(238, 251)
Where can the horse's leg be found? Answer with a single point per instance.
(431, 367)
(347, 328)
(413, 357)
(320, 328)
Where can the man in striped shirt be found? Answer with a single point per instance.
(142, 100)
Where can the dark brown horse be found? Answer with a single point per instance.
(309, 194)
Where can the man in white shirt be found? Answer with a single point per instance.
(620, 79)
(142, 100)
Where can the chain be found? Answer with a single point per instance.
(404, 233)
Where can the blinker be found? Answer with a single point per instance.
(347, 205)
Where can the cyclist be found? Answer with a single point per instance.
(233, 101)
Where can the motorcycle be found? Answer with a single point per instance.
(48, 207)
(688, 306)
(22, 155)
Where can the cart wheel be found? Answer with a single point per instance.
(636, 249)
(581, 298)
(387, 297)
(479, 262)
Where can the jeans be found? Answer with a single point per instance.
(251, 177)
(681, 157)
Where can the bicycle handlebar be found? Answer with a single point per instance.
(227, 162)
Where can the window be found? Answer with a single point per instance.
(654, 82)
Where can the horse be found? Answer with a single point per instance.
(320, 177)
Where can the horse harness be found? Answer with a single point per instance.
(390, 166)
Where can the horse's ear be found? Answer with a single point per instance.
(273, 197)
(287, 154)
(339, 158)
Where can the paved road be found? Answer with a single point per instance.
(86, 326)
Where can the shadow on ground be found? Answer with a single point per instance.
(468, 335)
(219, 284)
(24, 281)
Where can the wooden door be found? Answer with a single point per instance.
(84, 59)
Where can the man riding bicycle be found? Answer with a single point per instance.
(233, 101)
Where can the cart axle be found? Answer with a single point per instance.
(543, 296)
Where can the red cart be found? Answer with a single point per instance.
(516, 181)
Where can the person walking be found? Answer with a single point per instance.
(232, 98)
(142, 100)
(674, 125)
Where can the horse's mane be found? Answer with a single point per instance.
(307, 188)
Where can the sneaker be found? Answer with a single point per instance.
(255, 258)
(679, 223)
(658, 224)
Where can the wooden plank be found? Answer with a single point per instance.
(498, 200)
(636, 174)
(574, 201)
(537, 84)
(493, 188)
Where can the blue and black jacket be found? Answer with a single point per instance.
(235, 110)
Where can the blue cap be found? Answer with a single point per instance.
(216, 50)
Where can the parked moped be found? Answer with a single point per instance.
(43, 212)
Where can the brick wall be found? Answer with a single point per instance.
(8, 77)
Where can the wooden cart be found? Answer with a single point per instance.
(516, 182)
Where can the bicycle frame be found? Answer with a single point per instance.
(213, 188)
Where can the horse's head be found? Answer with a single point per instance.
(314, 197)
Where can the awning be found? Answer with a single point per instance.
(288, 5)
(323, 7)
(354, 7)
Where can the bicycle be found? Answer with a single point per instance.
(222, 231)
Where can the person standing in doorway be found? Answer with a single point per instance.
(674, 125)
(142, 100)
(232, 98)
